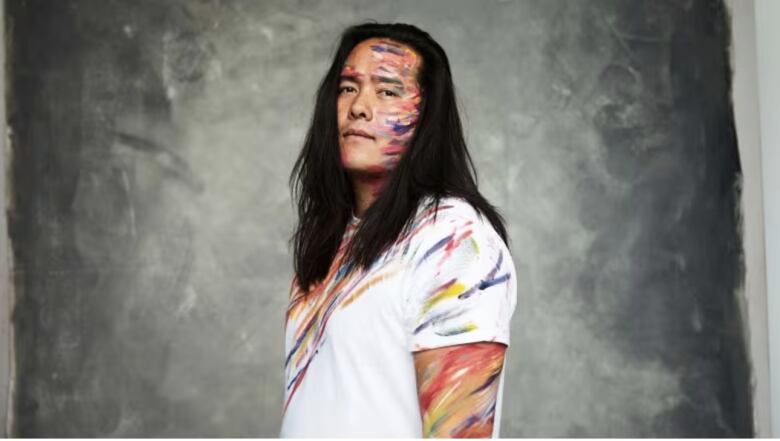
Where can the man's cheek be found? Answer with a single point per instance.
(398, 123)
(398, 143)
(403, 129)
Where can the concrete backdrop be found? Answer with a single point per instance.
(767, 13)
(745, 88)
(151, 143)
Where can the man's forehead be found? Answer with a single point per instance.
(382, 55)
(389, 47)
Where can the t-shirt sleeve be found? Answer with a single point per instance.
(460, 285)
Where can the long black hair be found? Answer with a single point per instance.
(437, 163)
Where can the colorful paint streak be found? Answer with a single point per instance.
(458, 389)
(436, 308)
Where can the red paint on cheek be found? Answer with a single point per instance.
(393, 150)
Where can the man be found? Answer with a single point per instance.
(404, 287)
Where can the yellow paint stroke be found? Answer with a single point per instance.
(362, 289)
(463, 329)
(453, 290)
(475, 245)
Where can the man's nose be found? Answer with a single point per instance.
(360, 107)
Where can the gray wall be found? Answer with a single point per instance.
(746, 119)
(151, 146)
(6, 346)
(767, 40)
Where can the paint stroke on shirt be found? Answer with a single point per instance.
(311, 311)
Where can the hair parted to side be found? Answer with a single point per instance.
(437, 163)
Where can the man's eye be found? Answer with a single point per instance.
(388, 92)
(343, 89)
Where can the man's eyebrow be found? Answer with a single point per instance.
(375, 78)
(350, 77)
(381, 79)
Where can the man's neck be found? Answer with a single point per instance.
(367, 189)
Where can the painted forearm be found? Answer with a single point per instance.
(458, 388)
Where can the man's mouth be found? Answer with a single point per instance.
(359, 133)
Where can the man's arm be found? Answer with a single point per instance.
(457, 388)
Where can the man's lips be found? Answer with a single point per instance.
(358, 133)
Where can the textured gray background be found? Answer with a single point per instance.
(152, 141)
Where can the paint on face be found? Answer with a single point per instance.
(378, 94)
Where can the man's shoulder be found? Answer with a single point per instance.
(450, 209)
(451, 218)
(454, 229)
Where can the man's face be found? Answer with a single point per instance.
(379, 96)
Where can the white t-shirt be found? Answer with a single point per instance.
(349, 369)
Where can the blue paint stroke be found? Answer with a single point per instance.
(434, 248)
(387, 48)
